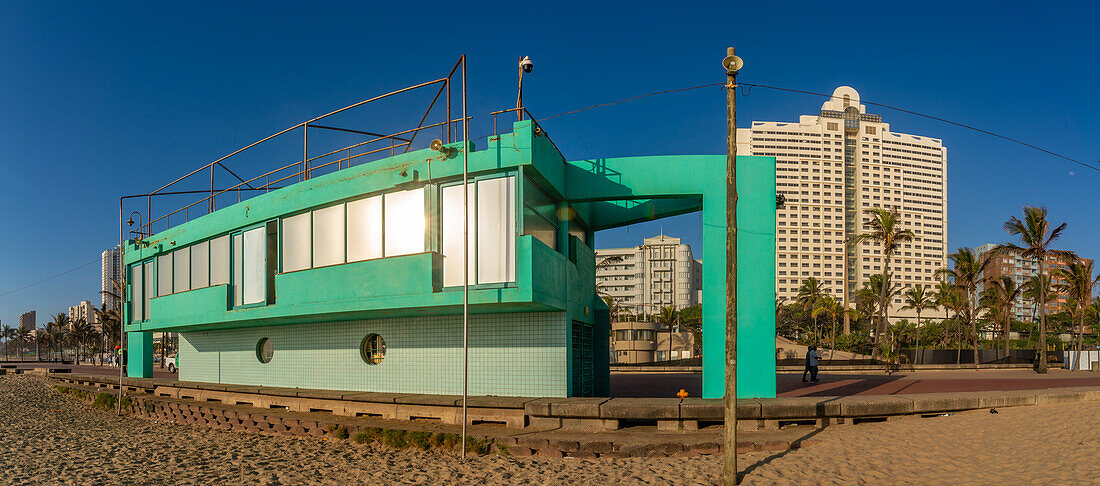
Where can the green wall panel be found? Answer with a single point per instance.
(513, 354)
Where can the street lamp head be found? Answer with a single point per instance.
(130, 222)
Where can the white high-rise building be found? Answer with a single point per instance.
(832, 166)
(84, 310)
(643, 279)
(111, 269)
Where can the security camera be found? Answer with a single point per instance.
(526, 64)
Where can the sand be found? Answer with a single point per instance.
(48, 439)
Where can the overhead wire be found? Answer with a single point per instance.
(49, 278)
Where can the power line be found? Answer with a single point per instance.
(932, 117)
(601, 105)
(49, 278)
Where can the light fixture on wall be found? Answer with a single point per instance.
(438, 146)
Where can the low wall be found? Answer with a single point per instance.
(587, 413)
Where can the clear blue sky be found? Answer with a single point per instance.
(102, 99)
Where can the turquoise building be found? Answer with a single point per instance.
(352, 280)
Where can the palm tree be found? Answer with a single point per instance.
(108, 325)
(834, 309)
(919, 298)
(23, 335)
(950, 297)
(1038, 237)
(809, 294)
(669, 316)
(1078, 286)
(80, 332)
(968, 272)
(61, 323)
(884, 228)
(7, 334)
(1002, 294)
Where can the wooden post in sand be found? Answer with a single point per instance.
(729, 471)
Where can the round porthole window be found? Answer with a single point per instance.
(265, 349)
(373, 349)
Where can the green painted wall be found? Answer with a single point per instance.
(512, 354)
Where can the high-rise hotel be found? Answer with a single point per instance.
(830, 168)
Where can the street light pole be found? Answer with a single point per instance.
(729, 452)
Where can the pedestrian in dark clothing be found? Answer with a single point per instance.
(811, 365)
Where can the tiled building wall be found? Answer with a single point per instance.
(514, 354)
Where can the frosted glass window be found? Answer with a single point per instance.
(496, 222)
(200, 265)
(150, 284)
(328, 236)
(452, 235)
(254, 278)
(540, 228)
(296, 243)
(164, 275)
(181, 270)
(219, 260)
(137, 298)
(404, 222)
(238, 269)
(365, 229)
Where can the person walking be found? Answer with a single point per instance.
(811, 365)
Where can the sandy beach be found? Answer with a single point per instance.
(49, 439)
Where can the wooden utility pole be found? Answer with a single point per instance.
(729, 470)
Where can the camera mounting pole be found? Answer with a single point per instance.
(525, 66)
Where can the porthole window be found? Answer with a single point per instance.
(265, 349)
(373, 349)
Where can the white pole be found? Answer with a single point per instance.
(465, 254)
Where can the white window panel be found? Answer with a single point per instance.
(150, 286)
(496, 222)
(181, 270)
(452, 235)
(296, 253)
(164, 275)
(200, 265)
(137, 293)
(254, 268)
(328, 236)
(405, 222)
(364, 230)
(238, 269)
(219, 261)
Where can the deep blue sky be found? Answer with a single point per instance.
(102, 99)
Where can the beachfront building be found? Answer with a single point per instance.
(27, 321)
(1013, 265)
(642, 279)
(637, 342)
(110, 272)
(85, 311)
(352, 278)
(832, 166)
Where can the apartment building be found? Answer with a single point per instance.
(111, 269)
(830, 168)
(1021, 270)
(642, 279)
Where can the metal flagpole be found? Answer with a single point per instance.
(465, 253)
(121, 321)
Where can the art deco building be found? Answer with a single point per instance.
(832, 166)
(643, 279)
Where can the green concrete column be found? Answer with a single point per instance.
(755, 283)
(139, 361)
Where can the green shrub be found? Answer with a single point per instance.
(503, 450)
(394, 438)
(476, 445)
(340, 432)
(361, 437)
(126, 401)
(105, 401)
(419, 439)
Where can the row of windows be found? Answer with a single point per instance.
(385, 225)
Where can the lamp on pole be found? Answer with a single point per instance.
(525, 66)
